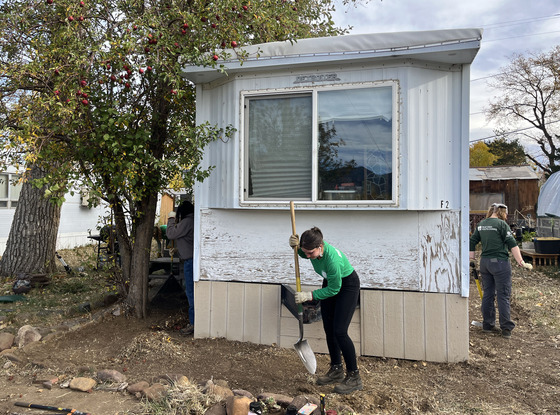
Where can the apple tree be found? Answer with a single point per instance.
(94, 89)
(527, 102)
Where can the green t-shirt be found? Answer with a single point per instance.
(333, 266)
(496, 237)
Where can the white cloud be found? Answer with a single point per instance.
(511, 27)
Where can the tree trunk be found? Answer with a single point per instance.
(31, 243)
(138, 261)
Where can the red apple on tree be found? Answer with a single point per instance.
(49, 1)
(82, 4)
(70, 18)
(81, 18)
(233, 44)
(215, 57)
(85, 101)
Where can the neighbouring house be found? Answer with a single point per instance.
(369, 136)
(515, 186)
(77, 220)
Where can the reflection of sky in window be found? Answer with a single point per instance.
(353, 104)
(362, 120)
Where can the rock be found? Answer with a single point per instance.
(242, 392)
(217, 409)
(110, 375)
(237, 405)
(155, 392)
(10, 356)
(138, 387)
(183, 381)
(300, 400)
(222, 382)
(27, 334)
(6, 341)
(220, 392)
(171, 379)
(82, 384)
(282, 400)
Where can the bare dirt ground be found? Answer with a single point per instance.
(516, 376)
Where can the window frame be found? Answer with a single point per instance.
(246, 96)
(10, 202)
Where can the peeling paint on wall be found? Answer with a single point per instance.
(395, 250)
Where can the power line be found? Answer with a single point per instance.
(509, 132)
(520, 21)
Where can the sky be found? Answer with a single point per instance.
(511, 27)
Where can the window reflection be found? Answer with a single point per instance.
(355, 144)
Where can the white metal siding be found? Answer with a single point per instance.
(429, 141)
(414, 251)
(432, 99)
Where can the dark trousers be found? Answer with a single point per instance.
(337, 312)
(496, 282)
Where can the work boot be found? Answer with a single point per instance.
(335, 374)
(352, 382)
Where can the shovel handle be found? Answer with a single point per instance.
(296, 256)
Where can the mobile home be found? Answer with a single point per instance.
(369, 136)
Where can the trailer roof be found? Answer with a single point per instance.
(502, 173)
(451, 46)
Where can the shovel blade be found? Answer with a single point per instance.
(307, 356)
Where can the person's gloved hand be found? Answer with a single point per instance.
(527, 266)
(294, 240)
(171, 214)
(302, 297)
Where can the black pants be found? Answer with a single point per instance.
(337, 312)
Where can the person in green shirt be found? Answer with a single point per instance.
(495, 267)
(339, 298)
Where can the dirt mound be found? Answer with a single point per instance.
(516, 376)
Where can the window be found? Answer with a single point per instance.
(325, 145)
(10, 188)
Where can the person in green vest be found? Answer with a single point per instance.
(495, 267)
(339, 298)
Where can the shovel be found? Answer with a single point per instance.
(302, 347)
(474, 272)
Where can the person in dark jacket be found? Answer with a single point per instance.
(180, 228)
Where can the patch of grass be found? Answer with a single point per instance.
(65, 296)
(185, 399)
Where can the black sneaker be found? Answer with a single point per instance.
(491, 330)
(335, 374)
(352, 382)
(506, 334)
